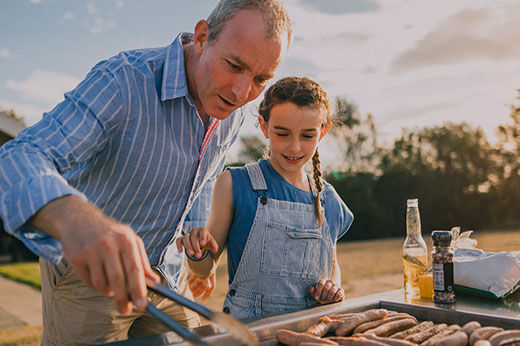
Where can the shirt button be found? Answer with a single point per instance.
(226, 310)
(232, 292)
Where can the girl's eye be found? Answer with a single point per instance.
(308, 136)
(282, 134)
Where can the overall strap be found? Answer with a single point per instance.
(256, 176)
(257, 180)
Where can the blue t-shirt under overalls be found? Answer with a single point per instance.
(275, 249)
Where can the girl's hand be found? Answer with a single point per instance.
(327, 291)
(196, 240)
(204, 287)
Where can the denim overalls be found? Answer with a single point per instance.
(285, 253)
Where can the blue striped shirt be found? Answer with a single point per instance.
(128, 139)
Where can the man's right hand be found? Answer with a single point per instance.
(106, 255)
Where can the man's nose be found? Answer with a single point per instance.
(242, 89)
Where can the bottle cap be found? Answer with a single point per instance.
(412, 202)
(441, 238)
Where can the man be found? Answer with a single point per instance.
(109, 177)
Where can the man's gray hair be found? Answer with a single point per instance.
(275, 16)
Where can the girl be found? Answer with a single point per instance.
(280, 225)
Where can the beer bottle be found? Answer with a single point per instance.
(415, 252)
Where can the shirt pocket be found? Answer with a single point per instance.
(291, 252)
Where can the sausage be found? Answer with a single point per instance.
(510, 342)
(483, 333)
(482, 343)
(353, 321)
(315, 343)
(426, 334)
(374, 324)
(503, 335)
(469, 327)
(459, 338)
(291, 338)
(418, 328)
(325, 325)
(439, 336)
(388, 341)
(393, 327)
(355, 340)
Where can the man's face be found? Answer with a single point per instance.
(234, 69)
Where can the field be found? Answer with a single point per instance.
(367, 267)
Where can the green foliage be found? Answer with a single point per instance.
(25, 272)
(253, 148)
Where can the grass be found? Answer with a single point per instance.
(25, 272)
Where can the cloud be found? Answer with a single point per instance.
(485, 33)
(30, 113)
(68, 16)
(5, 53)
(43, 86)
(91, 8)
(119, 3)
(35, 1)
(341, 6)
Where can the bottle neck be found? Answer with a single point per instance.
(413, 222)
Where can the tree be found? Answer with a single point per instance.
(253, 148)
(356, 136)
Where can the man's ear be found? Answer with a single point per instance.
(200, 36)
(324, 130)
(263, 126)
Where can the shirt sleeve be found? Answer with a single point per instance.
(199, 213)
(344, 217)
(35, 164)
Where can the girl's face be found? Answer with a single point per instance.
(293, 134)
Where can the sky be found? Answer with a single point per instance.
(409, 63)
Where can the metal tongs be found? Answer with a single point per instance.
(232, 326)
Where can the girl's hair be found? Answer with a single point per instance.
(303, 92)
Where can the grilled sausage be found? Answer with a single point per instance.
(325, 325)
(353, 321)
(439, 336)
(483, 333)
(374, 324)
(510, 342)
(388, 341)
(458, 338)
(421, 327)
(482, 343)
(315, 343)
(291, 338)
(469, 327)
(428, 333)
(355, 341)
(504, 335)
(393, 327)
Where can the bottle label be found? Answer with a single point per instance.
(443, 277)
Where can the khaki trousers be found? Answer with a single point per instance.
(74, 314)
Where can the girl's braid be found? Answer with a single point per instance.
(316, 173)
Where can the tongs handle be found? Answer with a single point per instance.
(180, 299)
(174, 325)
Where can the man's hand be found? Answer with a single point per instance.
(204, 287)
(327, 291)
(105, 254)
(196, 240)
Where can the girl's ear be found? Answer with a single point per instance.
(263, 126)
(324, 130)
(200, 36)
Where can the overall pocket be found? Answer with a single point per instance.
(291, 252)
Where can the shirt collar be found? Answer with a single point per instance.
(174, 75)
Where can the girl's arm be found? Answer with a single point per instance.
(212, 237)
